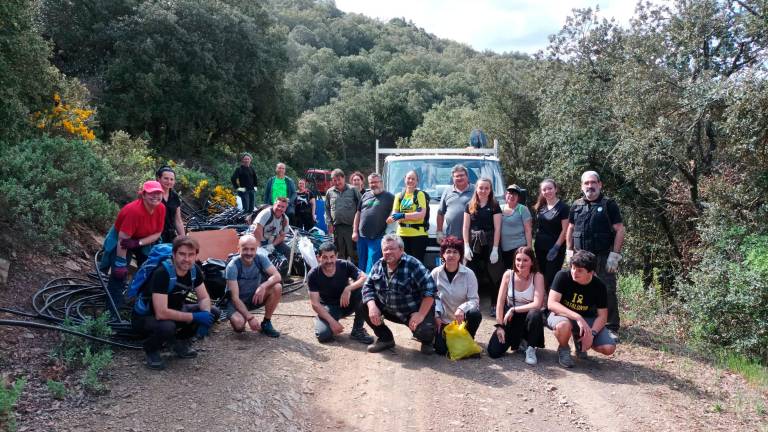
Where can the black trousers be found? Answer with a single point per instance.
(528, 326)
(305, 220)
(549, 268)
(416, 246)
(425, 332)
(473, 319)
(160, 332)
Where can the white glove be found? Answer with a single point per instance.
(440, 237)
(494, 255)
(568, 256)
(467, 253)
(612, 265)
(241, 189)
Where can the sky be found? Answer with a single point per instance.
(496, 25)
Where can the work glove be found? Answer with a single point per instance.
(612, 265)
(553, 251)
(241, 189)
(568, 256)
(129, 243)
(120, 269)
(398, 216)
(440, 237)
(202, 331)
(494, 258)
(467, 253)
(203, 318)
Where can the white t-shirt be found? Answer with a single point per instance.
(274, 227)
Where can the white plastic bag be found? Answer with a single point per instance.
(307, 252)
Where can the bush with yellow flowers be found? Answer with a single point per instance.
(65, 120)
(220, 197)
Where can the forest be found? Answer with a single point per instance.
(671, 110)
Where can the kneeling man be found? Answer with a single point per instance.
(401, 290)
(578, 306)
(334, 292)
(248, 289)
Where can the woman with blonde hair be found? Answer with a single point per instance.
(409, 210)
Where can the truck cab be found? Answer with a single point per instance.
(433, 166)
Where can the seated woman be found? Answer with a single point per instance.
(457, 297)
(519, 304)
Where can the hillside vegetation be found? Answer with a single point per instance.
(672, 110)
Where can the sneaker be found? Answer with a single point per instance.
(183, 350)
(530, 355)
(564, 357)
(268, 330)
(613, 334)
(427, 348)
(381, 345)
(523, 345)
(154, 361)
(361, 336)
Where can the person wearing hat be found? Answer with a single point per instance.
(245, 182)
(139, 224)
(516, 225)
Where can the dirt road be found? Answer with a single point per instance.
(249, 382)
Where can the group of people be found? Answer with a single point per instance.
(482, 242)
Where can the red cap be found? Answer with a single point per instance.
(151, 186)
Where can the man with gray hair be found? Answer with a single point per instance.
(452, 203)
(341, 203)
(371, 222)
(401, 290)
(595, 225)
(280, 186)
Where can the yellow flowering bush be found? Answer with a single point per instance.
(65, 119)
(221, 198)
(201, 189)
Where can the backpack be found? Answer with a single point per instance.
(271, 215)
(427, 199)
(159, 255)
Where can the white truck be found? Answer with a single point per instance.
(433, 166)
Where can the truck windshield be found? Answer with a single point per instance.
(435, 174)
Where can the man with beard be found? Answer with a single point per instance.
(334, 293)
(371, 222)
(595, 225)
(248, 290)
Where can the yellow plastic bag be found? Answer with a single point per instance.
(460, 342)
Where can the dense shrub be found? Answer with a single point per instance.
(48, 183)
(727, 294)
(131, 161)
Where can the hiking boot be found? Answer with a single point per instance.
(614, 334)
(530, 355)
(183, 350)
(427, 348)
(564, 357)
(268, 330)
(361, 336)
(381, 345)
(155, 361)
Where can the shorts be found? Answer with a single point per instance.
(602, 338)
(248, 305)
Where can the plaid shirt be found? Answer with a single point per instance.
(402, 293)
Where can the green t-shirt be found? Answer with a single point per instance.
(279, 189)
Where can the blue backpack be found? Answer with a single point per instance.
(159, 255)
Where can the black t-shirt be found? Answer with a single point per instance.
(302, 202)
(549, 224)
(169, 228)
(158, 284)
(331, 288)
(483, 217)
(585, 300)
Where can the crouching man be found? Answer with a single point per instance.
(248, 290)
(401, 290)
(578, 306)
(158, 313)
(334, 292)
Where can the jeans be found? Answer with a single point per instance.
(248, 198)
(472, 318)
(425, 331)
(116, 287)
(159, 332)
(368, 252)
(323, 330)
(528, 326)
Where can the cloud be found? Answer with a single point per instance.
(497, 25)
